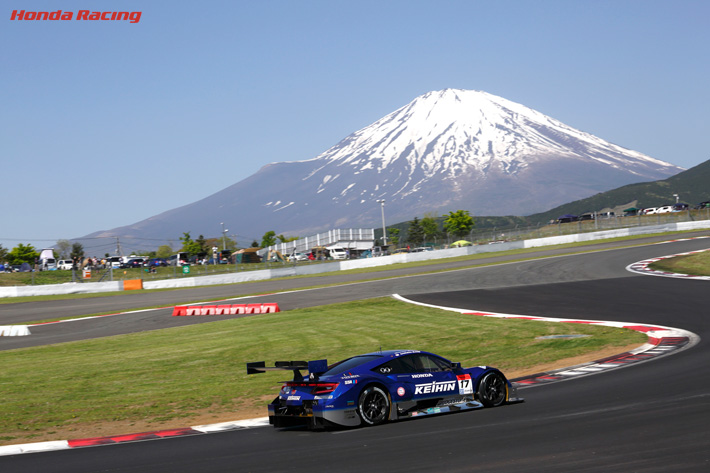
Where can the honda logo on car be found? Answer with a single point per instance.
(434, 387)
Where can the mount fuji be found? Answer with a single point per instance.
(446, 150)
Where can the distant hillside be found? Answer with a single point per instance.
(446, 150)
(692, 187)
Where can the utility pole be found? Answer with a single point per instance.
(224, 236)
(384, 229)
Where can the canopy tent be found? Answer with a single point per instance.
(461, 243)
(631, 211)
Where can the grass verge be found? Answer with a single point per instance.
(696, 265)
(182, 376)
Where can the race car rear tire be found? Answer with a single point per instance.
(492, 390)
(373, 406)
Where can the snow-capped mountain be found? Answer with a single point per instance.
(446, 150)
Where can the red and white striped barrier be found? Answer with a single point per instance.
(230, 309)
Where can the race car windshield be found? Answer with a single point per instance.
(349, 364)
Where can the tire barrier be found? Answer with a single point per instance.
(14, 330)
(232, 309)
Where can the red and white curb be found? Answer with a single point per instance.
(662, 341)
(159, 434)
(642, 267)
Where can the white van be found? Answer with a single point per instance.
(65, 264)
(338, 252)
(114, 262)
(46, 260)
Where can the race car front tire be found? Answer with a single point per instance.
(373, 406)
(492, 390)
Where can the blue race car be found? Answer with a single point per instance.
(377, 387)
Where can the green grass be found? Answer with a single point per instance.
(173, 374)
(696, 265)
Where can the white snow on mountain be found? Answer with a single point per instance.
(453, 131)
(446, 150)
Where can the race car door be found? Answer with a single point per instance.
(422, 379)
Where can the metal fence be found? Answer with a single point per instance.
(583, 226)
(347, 238)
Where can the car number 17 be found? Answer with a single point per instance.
(465, 384)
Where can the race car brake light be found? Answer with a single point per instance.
(316, 388)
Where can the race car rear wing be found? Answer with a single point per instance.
(314, 368)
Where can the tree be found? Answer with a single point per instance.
(22, 254)
(164, 251)
(285, 239)
(228, 243)
(3, 254)
(269, 239)
(415, 233)
(77, 252)
(63, 249)
(255, 244)
(190, 246)
(459, 223)
(430, 227)
(393, 236)
(201, 243)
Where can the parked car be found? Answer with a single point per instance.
(113, 262)
(133, 263)
(65, 264)
(298, 257)
(338, 252)
(22, 268)
(665, 209)
(156, 262)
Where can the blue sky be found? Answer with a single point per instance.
(106, 123)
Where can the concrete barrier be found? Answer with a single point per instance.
(14, 330)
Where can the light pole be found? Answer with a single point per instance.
(224, 236)
(384, 229)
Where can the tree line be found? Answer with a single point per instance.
(458, 223)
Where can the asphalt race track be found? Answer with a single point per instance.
(650, 417)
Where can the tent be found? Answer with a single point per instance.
(631, 211)
(247, 255)
(460, 243)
